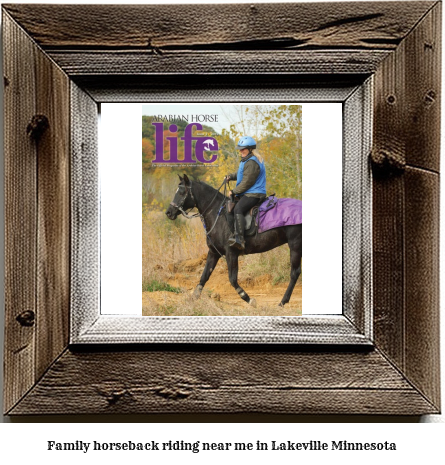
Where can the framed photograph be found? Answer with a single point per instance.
(195, 266)
(361, 336)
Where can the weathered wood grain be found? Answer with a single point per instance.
(422, 364)
(423, 91)
(78, 63)
(388, 204)
(407, 118)
(406, 208)
(388, 268)
(153, 27)
(221, 382)
(20, 213)
(53, 225)
(37, 219)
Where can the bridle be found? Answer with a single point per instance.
(188, 190)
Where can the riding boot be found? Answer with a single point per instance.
(231, 221)
(238, 241)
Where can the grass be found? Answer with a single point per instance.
(166, 242)
(154, 285)
(275, 263)
(185, 305)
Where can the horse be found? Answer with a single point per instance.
(209, 202)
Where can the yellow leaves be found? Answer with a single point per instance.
(277, 130)
(147, 153)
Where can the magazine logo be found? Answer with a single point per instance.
(203, 144)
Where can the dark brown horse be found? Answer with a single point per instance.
(208, 201)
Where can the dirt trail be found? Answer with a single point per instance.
(185, 275)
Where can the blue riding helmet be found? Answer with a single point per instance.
(246, 142)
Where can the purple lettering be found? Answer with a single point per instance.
(203, 144)
(159, 143)
(173, 144)
(188, 138)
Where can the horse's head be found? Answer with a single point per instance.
(183, 199)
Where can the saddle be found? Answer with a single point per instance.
(251, 221)
(251, 218)
(251, 226)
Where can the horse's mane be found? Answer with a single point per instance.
(199, 181)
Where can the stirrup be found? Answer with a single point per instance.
(237, 242)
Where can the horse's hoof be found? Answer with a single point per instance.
(252, 302)
(280, 305)
(197, 292)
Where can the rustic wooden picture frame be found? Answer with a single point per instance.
(76, 56)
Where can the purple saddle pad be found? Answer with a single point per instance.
(274, 213)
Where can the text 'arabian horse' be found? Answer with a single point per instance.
(209, 202)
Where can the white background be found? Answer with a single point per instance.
(120, 178)
(26, 443)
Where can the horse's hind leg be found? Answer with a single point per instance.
(212, 260)
(295, 262)
(232, 265)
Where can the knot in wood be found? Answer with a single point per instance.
(37, 126)
(114, 397)
(26, 318)
(387, 163)
(173, 393)
(391, 99)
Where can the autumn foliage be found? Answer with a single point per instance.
(277, 130)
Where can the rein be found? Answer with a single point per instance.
(188, 190)
(201, 215)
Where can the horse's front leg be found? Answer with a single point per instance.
(232, 265)
(212, 260)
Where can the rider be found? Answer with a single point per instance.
(250, 186)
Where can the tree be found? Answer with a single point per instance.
(277, 130)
